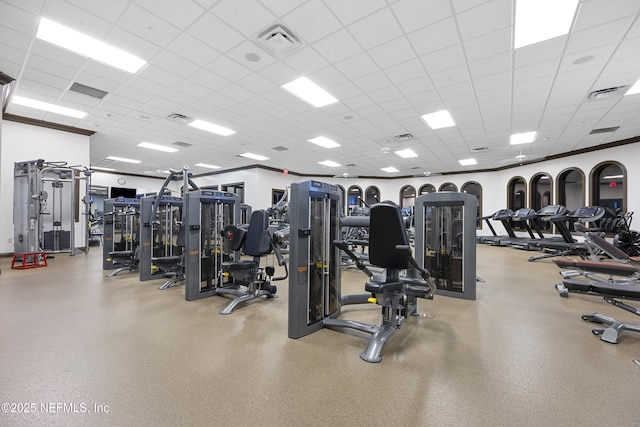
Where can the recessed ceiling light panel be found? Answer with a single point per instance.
(330, 163)
(157, 147)
(123, 159)
(310, 92)
(211, 127)
(45, 106)
(540, 20)
(253, 156)
(84, 45)
(439, 119)
(390, 169)
(324, 142)
(406, 153)
(522, 138)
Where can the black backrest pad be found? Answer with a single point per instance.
(256, 242)
(386, 231)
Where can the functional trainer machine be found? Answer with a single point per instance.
(160, 251)
(120, 250)
(445, 241)
(45, 197)
(315, 296)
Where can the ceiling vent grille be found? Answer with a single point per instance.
(403, 137)
(604, 130)
(280, 148)
(182, 144)
(608, 93)
(480, 149)
(88, 90)
(277, 40)
(180, 118)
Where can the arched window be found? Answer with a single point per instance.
(354, 196)
(608, 185)
(475, 189)
(540, 191)
(372, 195)
(407, 196)
(570, 183)
(448, 186)
(427, 188)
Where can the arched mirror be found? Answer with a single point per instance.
(540, 191)
(407, 196)
(448, 186)
(475, 189)
(427, 188)
(354, 198)
(570, 184)
(372, 195)
(608, 185)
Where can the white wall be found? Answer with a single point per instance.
(259, 182)
(22, 142)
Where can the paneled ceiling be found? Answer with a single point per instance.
(387, 62)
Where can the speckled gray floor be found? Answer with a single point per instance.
(520, 355)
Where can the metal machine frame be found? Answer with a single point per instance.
(44, 205)
(159, 235)
(121, 234)
(446, 241)
(315, 295)
(206, 214)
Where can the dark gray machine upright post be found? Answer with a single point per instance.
(446, 241)
(314, 279)
(206, 213)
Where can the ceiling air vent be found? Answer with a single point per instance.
(182, 144)
(277, 40)
(608, 93)
(280, 148)
(180, 118)
(604, 130)
(88, 90)
(480, 149)
(403, 137)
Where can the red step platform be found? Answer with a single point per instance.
(32, 260)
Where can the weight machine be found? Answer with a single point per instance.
(44, 204)
(160, 251)
(206, 214)
(315, 295)
(446, 241)
(121, 235)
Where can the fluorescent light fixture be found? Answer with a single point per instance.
(208, 166)
(390, 169)
(98, 168)
(157, 147)
(540, 20)
(634, 89)
(329, 163)
(439, 119)
(253, 156)
(45, 106)
(309, 92)
(324, 142)
(123, 159)
(613, 177)
(84, 45)
(406, 153)
(522, 138)
(468, 162)
(210, 127)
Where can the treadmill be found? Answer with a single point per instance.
(528, 218)
(584, 215)
(504, 216)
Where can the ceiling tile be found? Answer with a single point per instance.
(357, 66)
(414, 14)
(593, 13)
(392, 53)
(434, 37)
(312, 21)
(192, 49)
(368, 31)
(215, 33)
(249, 19)
(443, 59)
(148, 26)
(486, 18)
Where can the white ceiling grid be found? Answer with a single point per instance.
(388, 63)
